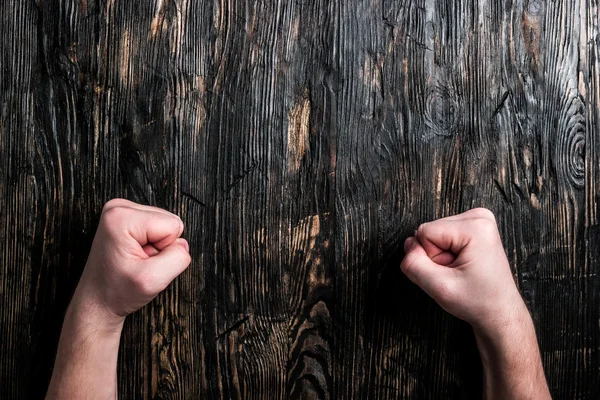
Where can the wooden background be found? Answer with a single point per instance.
(301, 142)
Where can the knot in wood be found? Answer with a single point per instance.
(442, 111)
(67, 67)
(536, 7)
(576, 158)
(570, 147)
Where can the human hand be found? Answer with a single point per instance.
(135, 254)
(460, 262)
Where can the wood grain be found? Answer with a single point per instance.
(301, 142)
(18, 201)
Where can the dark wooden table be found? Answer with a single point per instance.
(301, 142)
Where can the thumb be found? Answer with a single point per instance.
(422, 271)
(169, 263)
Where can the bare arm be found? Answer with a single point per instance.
(86, 361)
(460, 262)
(136, 253)
(511, 360)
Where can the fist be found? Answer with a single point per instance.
(459, 261)
(136, 253)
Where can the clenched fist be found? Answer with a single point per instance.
(136, 253)
(460, 262)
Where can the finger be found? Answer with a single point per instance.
(169, 263)
(150, 250)
(445, 258)
(438, 255)
(426, 274)
(444, 235)
(434, 251)
(130, 204)
(158, 229)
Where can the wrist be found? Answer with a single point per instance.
(504, 334)
(502, 318)
(90, 314)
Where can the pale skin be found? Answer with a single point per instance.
(136, 253)
(459, 261)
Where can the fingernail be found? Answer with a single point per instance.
(185, 245)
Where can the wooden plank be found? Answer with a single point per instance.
(309, 200)
(588, 354)
(542, 177)
(18, 206)
(246, 314)
(67, 206)
(430, 133)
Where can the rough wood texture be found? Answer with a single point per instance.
(301, 141)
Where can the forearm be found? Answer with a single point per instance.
(511, 359)
(86, 361)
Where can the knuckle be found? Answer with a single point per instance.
(108, 205)
(484, 213)
(487, 228)
(184, 256)
(116, 202)
(164, 212)
(114, 213)
(113, 218)
(423, 229)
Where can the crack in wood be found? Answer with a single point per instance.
(232, 328)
